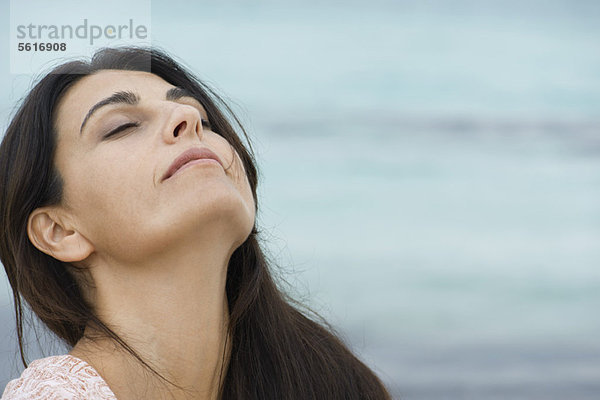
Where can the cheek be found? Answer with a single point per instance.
(236, 169)
(112, 204)
(242, 180)
(105, 191)
(237, 173)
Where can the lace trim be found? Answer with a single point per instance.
(58, 377)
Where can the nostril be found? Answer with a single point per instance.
(179, 128)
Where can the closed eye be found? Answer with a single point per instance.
(121, 128)
(128, 125)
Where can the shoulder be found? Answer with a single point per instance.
(58, 377)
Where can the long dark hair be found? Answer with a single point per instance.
(277, 351)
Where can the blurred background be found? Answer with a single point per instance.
(430, 178)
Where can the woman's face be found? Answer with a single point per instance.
(114, 191)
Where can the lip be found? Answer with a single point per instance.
(188, 156)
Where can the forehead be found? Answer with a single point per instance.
(82, 95)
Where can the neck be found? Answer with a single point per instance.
(173, 312)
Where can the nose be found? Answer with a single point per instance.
(184, 120)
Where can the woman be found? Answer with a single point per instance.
(128, 203)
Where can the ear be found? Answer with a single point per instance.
(50, 234)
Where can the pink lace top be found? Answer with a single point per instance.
(58, 377)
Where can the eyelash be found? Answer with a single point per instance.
(123, 127)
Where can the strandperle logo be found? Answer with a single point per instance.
(83, 31)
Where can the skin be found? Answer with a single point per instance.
(156, 251)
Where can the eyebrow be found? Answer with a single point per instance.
(131, 98)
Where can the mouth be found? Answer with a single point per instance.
(190, 157)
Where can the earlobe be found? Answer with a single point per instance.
(49, 234)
